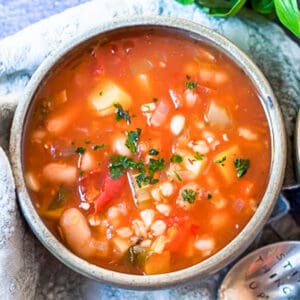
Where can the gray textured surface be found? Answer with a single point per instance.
(17, 14)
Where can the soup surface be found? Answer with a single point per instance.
(147, 152)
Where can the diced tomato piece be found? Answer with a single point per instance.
(111, 189)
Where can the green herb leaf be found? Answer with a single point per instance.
(190, 85)
(221, 8)
(81, 173)
(154, 100)
(122, 114)
(132, 140)
(96, 147)
(156, 165)
(199, 156)
(176, 158)
(87, 142)
(100, 93)
(153, 152)
(177, 175)
(241, 166)
(209, 196)
(189, 195)
(221, 160)
(119, 164)
(185, 2)
(80, 150)
(289, 14)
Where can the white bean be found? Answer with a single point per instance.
(32, 182)
(206, 245)
(120, 147)
(147, 216)
(164, 209)
(124, 232)
(158, 227)
(167, 189)
(247, 134)
(177, 124)
(76, 232)
(60, 173)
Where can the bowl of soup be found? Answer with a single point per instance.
(147, 152)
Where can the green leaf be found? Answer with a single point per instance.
(289, 15)
(189, 195)
(185, 2)
(221, 8)
(241, 166)
(264, 7)
(122, 114)
(132, 140)
(175, 158)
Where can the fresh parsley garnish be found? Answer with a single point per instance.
(96, 147)
(190, 84)
(241, 166)
(100, 93)
(132, 140)
(119, 164)
(177, 175)
(81, 173)
(156, 165)
(209, 196)
(122, 114)
(221, 161)
(80, 150)
(153, 152)
(87, 142)
(189, 195)
(175, 158)
(198, 156)
(154, 100)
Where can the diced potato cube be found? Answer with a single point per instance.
(225, 163)
(158, 263)
(105, 94)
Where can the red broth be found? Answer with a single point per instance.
(147, 153)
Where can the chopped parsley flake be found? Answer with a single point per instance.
(177, 175)
(153, 152)
(209, 196)
(199, 156)
(221, 161)
(73, 143)
(81, 173)
(156, 165)
(87, 142)
(189, 195)
(122, 114)
(154, 100)
(119, 164)
(96, 147)
(80, 150)
(100, 93)
(241, 166)
(132, 140)
(176, 158)
(190, 85)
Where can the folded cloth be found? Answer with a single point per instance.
(27, 270)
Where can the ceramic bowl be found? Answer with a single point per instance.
(238, 244)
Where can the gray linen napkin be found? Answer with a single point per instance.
(27, 270)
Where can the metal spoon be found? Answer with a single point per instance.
(271, 272)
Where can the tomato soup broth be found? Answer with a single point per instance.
(147, 153)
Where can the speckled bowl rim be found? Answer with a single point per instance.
(225, 255)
